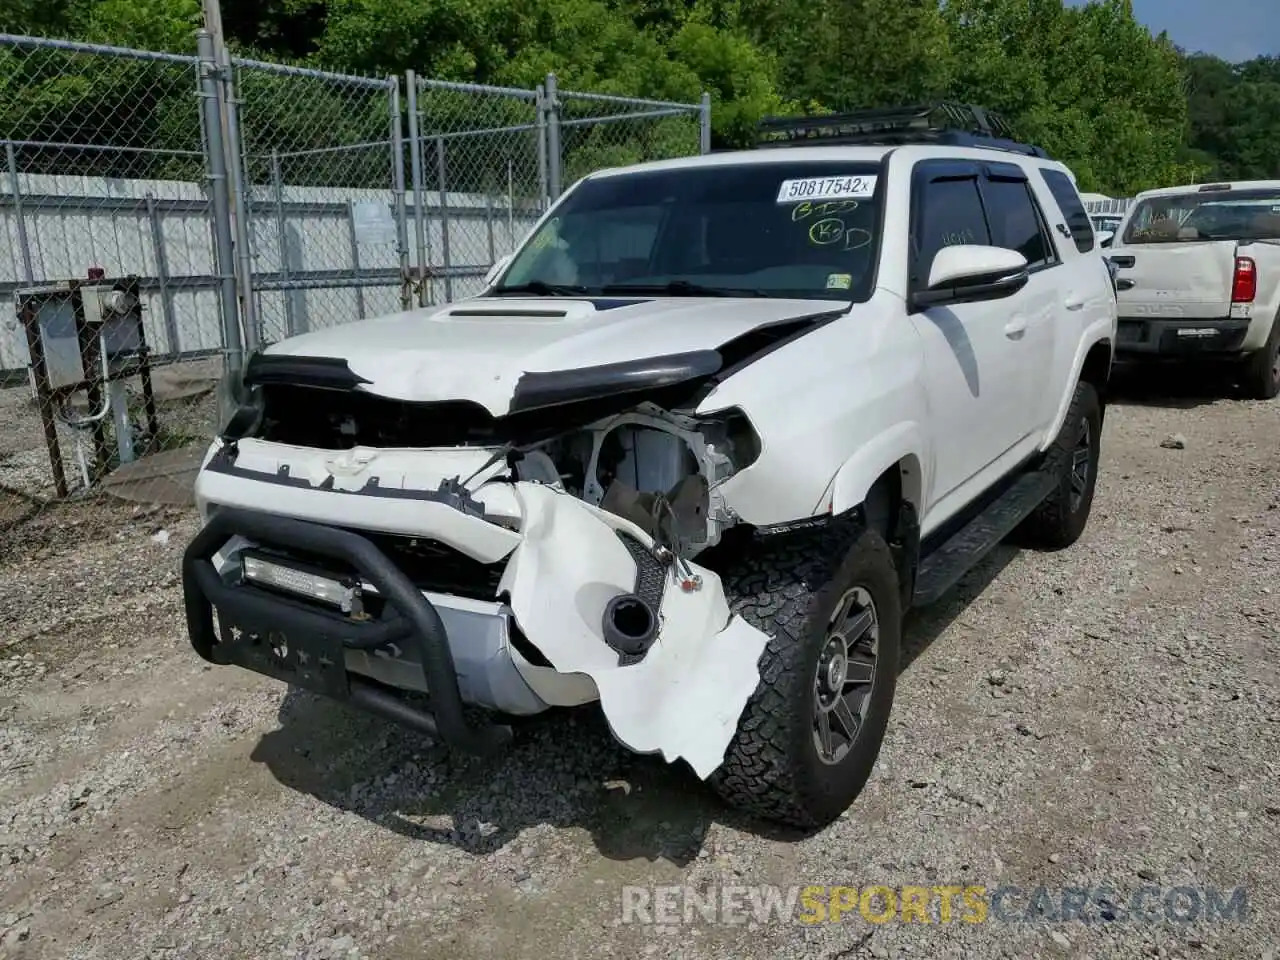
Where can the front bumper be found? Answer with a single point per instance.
(1180, 338)
(313, 648)
(514, 607)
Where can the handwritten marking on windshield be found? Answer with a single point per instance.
(826, 232)
(829, 209)
(832, 230)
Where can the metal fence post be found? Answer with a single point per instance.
(444, 218)
(277, 189)
(553, 137)
(540, 103)
(488, 224)
(162, 275)
(397, 181)
(355, 256)
(240, 205)
(224, 254)
(704, 124)
(11, 159)
(419, 201)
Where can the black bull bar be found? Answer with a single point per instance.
(318, 639)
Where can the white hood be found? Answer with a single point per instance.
(478, 349)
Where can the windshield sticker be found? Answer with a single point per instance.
(826, 188)
(839, 281)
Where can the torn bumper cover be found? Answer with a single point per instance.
(672, 675)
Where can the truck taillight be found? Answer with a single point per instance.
(1244, 285)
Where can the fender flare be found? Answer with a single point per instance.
(849, 487)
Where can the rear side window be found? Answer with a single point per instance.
(1064, 192)
(1015, 224)
(950, 215)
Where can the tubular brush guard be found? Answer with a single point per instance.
(416, 625)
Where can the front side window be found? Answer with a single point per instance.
(778, 229)
(949, 214)
(1225, 215)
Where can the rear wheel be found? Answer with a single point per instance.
(1061, 518)
(1262, 369)
(810, 734)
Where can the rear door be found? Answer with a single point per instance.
(974, 353)
(1018, 223)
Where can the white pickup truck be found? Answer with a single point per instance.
(1198, 275)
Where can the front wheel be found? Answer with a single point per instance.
(811, 733)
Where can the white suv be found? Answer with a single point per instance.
(704, 439)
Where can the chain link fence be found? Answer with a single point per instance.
(102, 177)
(164, 214)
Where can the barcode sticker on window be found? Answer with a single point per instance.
(826, 188)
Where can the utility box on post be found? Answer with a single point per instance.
(88, 337)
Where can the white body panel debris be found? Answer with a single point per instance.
(684, 699)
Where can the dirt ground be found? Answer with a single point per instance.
(1104, 716)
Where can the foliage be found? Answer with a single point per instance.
(1235, 117)
(1125, 109)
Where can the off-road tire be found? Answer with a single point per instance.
(1261, 379)
(789, 589)
(1060, 519)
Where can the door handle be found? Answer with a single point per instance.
(1015, 328)
(1074, 303)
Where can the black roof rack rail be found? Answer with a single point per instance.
(951, 124)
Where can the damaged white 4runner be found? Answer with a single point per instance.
(692, 454)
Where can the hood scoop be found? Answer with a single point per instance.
(512, 308)
(499, 312)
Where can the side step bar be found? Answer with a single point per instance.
(943, 568)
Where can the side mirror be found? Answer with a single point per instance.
(1105, 237)
(494, 271)
(970, 274)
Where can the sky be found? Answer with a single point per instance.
(1232, 29)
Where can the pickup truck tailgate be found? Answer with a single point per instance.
(1187, 279)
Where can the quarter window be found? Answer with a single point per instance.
(1078, 222)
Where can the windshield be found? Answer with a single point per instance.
(1234, 215)
(794, 230)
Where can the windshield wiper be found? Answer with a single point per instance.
(540, 289)
(680, 288)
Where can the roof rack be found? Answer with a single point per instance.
(952, 124)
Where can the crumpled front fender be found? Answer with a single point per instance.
(684, 698)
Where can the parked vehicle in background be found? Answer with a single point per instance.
(1105, 226)
(1198, 272)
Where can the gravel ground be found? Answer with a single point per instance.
(1106, 715)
